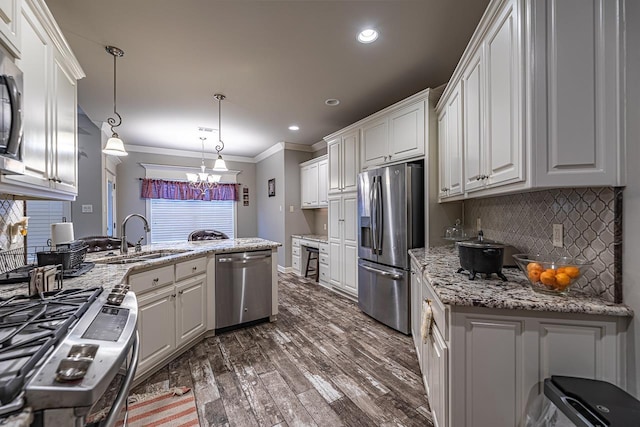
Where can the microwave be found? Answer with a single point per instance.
(10, 116)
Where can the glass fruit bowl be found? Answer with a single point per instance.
(551, 275)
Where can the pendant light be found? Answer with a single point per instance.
(202, 180)
(220, 165)
(115, 146)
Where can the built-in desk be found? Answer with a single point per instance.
(299, 254)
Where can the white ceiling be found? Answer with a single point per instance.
(276, 61)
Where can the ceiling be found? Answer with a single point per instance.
(276, 62)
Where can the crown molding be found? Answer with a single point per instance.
(320, 145)
(185, 153)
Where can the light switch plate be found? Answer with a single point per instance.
(290, 208)
(558, 235)
(87, 208)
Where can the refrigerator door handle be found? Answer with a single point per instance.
(378, 213)
(372, 229)
(394, 276)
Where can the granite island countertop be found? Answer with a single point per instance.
(439, 266)
(315, 237)
(109, 275)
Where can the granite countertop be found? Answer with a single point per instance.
(315, 237)
(439, 266)
(109, 275)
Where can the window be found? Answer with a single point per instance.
(41, 215)
(173, 220)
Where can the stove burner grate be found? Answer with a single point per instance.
(30, 327)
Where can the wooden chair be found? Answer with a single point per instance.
(312, 254)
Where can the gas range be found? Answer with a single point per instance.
(59, 352)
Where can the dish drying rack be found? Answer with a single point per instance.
(68, 256)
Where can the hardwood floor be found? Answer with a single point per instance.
(323, 362)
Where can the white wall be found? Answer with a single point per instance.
(631, 196)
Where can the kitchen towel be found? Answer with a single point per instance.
(427, 320)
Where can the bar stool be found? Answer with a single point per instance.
(312, 254)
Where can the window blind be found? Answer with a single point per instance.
(41, 215)
(173, 220)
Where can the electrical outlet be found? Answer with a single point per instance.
(558, 235)
(324, 227)
(290, 208)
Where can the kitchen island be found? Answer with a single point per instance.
(502, 336)
(175, 291)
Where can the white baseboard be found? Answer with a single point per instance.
(282, 269)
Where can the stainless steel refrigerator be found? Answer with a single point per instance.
(390, 222)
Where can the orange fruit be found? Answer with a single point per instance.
(560, 270)
(534, 275)
(550, 271)
(534, 266)
(572, 271)
(563, 280)
(548, 277)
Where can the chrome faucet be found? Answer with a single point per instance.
(124, 248)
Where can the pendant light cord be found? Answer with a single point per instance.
(219, 147)
(112, 121)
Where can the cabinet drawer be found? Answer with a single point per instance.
(296, 251)
(295, 243)
(295, 263)
(324, 248)
(324, 259)
(191, 268)
(439, 310)
(324, 274)
(152, 279)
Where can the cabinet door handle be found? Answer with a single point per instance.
(181, 292)
(155, 281)
(194, 268)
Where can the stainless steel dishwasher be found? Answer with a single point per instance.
(243, 287)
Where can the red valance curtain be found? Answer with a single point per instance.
(181, 190)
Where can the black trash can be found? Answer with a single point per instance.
(592, 403)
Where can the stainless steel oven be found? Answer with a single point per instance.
(10, 116)
(61, 351)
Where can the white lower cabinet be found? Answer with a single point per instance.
(416, 311)
(343, 242)
(190, 309)
(485, 367)
(171, 314)
(156, 326)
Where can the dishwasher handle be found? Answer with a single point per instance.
(244, 260)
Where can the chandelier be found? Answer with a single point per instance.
(115, 146)
(219, 165)
(202, 180)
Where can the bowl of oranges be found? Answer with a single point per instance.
(551, 276)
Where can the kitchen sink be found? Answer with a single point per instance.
(140, 256)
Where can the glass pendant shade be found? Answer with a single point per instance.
(115, 147)
(192, 177)
(220, 164)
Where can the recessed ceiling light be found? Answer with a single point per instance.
(367, 36)
(294, 127)
(332, 102)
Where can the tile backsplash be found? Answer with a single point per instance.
(11, 211)
(526, 221)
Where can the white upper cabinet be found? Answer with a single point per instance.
(9, 25)
(541, 97)
(374, 149)
(344, 164)
(313, 185)
(579, 64)
(323, 182)
(49, 149)
(473, 129)
(450, 146)
(406, 132)
(504, 143)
